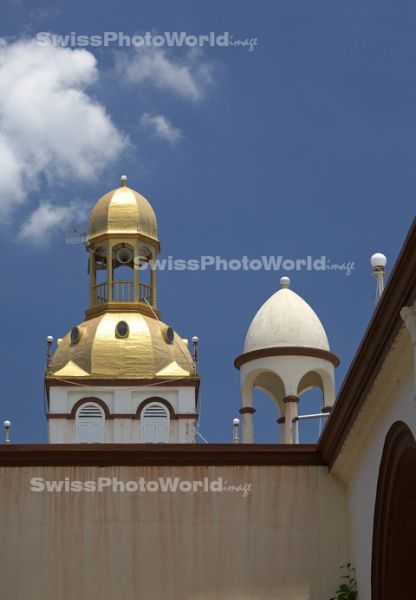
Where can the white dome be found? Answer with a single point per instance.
(285, 320)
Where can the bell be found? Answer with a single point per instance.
(124, 256)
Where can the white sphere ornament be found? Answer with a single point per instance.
(378, 260)
(195, 340)
(7, 424)
(284, 282)
(49, 339)
(236, 422)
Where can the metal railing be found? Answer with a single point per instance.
(100, 293)
(296, 420)
(123, 291)
(145, 293)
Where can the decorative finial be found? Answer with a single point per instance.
(124, 180)
(378, 261)
(6, 426)
(284, 282)
(236, 425)
(195, 342)
(49, 341)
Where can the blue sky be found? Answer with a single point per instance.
(304, 147)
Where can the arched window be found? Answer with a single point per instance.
(155, 424)
(89, 423)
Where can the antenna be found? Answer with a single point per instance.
(236, 426)
(77, 234)
(195, 342)
(49, 341)
(202, 437)
(378, 261)
(7, 426)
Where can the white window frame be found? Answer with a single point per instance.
(90, 429)
(155, 429)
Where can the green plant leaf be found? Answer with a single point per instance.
(348, 589)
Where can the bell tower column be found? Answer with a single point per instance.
(291, 411)
(247, 413)
(281, 422)
(136, 273)
(109, 271)
(93, 278)
(153, 284)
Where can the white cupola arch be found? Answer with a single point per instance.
(286, 353)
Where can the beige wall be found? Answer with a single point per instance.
(284, 541)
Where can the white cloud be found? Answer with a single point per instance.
(188, 78)
(48, 220)
(50, 128)
(161, 127)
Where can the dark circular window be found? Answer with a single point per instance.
(122, 329)
(169, 335)
(75, 335)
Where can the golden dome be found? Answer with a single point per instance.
(144, 353)
(123, 210)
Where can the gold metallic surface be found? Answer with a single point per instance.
(90, 313)
(143, 354)
(71, 369)
(123, 210)
(172, 370)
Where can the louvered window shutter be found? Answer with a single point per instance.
(90, 424)
(155, 424)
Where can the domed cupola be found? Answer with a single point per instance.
(286, 320)
(286, 353)
(123, 210)
(123, 245)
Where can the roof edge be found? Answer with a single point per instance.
(18, 455)
(372, 351)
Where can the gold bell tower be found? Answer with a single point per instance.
(122, 375)
(122, 243)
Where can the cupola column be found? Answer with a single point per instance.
(153, 284)
(281, 422)
(291, 412)
(92, 266)
(247, 429)
(136, 274)
(109, 271)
